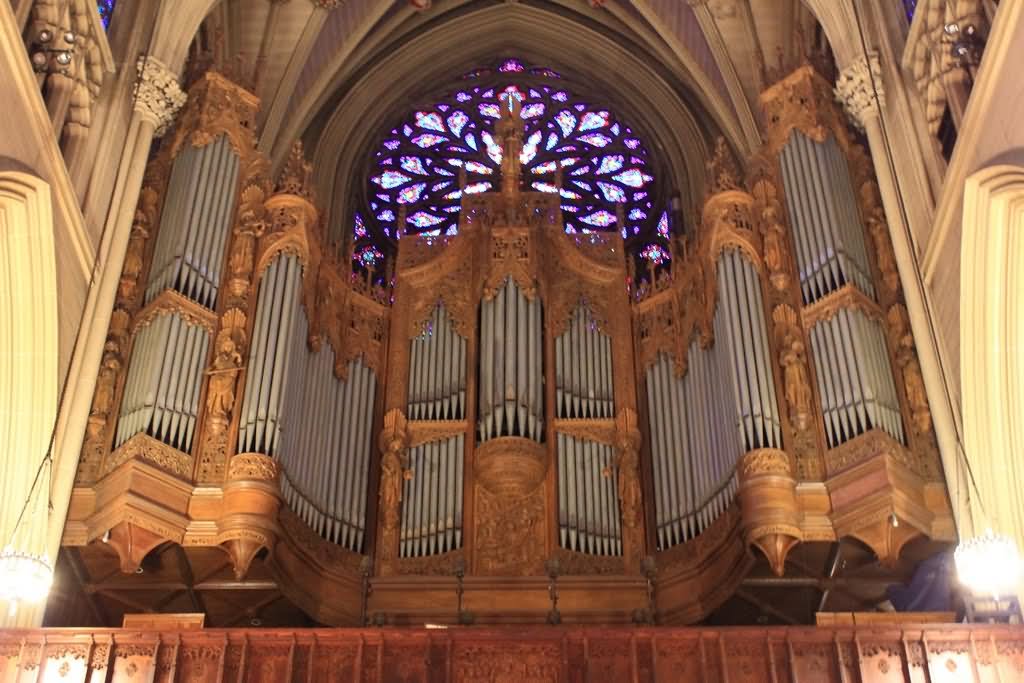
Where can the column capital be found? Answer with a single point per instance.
(158, 96)
(859, 88)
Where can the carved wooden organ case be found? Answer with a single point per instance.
(520, 395)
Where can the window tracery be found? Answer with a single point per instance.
(597, 164)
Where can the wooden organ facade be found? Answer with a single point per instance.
(519, 395)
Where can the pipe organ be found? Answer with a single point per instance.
(511, 400)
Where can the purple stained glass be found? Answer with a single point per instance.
(459, 133)
(368, 255)
(457, 120)
(532, 111)
(600, 219)
(359, 227)
(612, 193)
(511, 65)
(590, 120)
(410, 194)
(663, 224)
(491, 110)
(422, 219)
(595, 139)
(106, 9)
(477, 167)
(431, 121)
(428, 140)
(634, 177)
(546, 167)
(413, 165)
(385, 215)
(474, 188)
(566, 121)
(610, 164)
(390, 179)
(655, 253)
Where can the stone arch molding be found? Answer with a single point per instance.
(28, 349)
(992, 347)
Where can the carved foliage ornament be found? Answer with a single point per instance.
(859, 88)
(158, 97)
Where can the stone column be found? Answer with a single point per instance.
(861, 91)
(158, 98)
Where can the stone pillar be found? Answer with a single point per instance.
(158, 98)
(861, 91)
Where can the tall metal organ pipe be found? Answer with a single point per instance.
(295, 409)
(695, 439)
(277, 329)
(588, 507)
(511, 366)
(195, 222)
(165, 374)
(740, 315)
(855, 379)
(432, 499)
(583, 370)
(437, 371)
(831, 251)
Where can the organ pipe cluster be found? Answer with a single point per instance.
(854, 374)
(511, 365)
(318, 427)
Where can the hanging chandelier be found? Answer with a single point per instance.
(24, 578)
(989, 564)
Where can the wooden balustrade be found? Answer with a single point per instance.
(857, 654)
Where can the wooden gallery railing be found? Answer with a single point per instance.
(877, 654)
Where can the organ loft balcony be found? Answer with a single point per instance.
(525, 389)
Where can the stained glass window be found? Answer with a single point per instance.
(607, 182)
(106, 8)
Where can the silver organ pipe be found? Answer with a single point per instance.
(511, 365)
(431, 520)
(855, 379)
(318, 427)
(583, 370)
(746, 336)
(165, 374)
(826, 222)
(277, 326)
(695, 440)
(195, 222)
(437, 374)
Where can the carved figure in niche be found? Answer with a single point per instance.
(792, 359)
(627, 465)
(722, 169)
(220, 395)
(145, 214)
(774, 246)
(884, 256)
(393, 474)
(103, 399)
(906, 359)
(252, 224)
